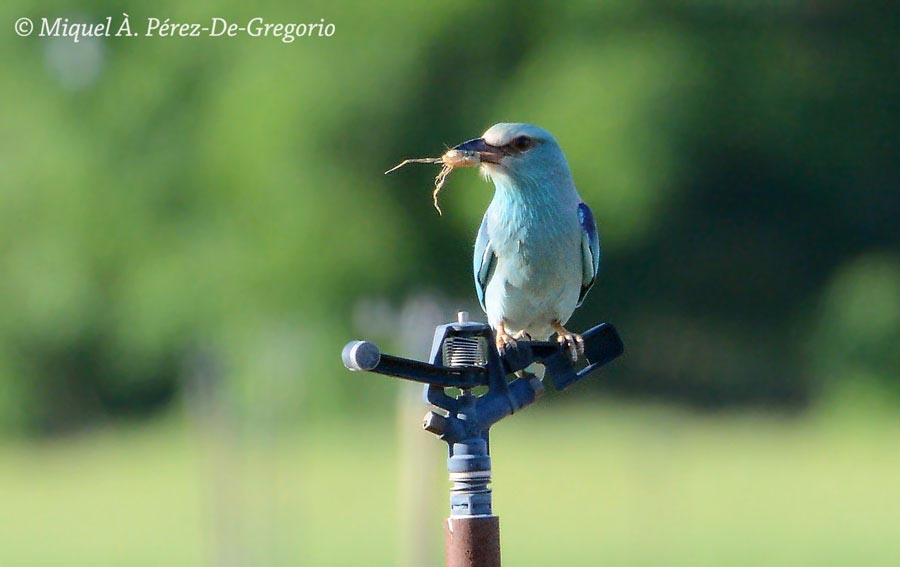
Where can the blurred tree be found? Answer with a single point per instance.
(160, 195)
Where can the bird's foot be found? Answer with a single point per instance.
(572, 341)
(505, 340)
(521, 335)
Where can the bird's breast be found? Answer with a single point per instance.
(533, 228)
(538, 272)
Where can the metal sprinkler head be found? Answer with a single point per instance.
(463, 357)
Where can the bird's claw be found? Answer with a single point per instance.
(573, 341)
(504, 340)
(521, 335)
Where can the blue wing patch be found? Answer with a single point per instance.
(590, 250)
(483, 262)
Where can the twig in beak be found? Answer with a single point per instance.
(450, 160)
(415, 160)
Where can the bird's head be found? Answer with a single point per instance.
(519, 153)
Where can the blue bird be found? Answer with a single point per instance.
(537, 253)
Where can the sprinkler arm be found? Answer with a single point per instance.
(471, 416)
(601, 345)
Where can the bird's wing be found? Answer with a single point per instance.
(590, 250)
(483, 261)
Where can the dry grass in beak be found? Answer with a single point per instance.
(450, 160)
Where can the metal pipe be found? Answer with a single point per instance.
(472, 541)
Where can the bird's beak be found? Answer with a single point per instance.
(485, 151)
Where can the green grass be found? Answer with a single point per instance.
(626, 485)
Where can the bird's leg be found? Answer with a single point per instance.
(521, 335)
(502, 338)
(571, 340)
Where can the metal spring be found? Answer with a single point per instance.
(465, 351)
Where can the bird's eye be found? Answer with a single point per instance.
(522, 143)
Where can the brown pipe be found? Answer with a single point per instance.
(472, 541)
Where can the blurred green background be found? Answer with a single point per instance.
(191, 228)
